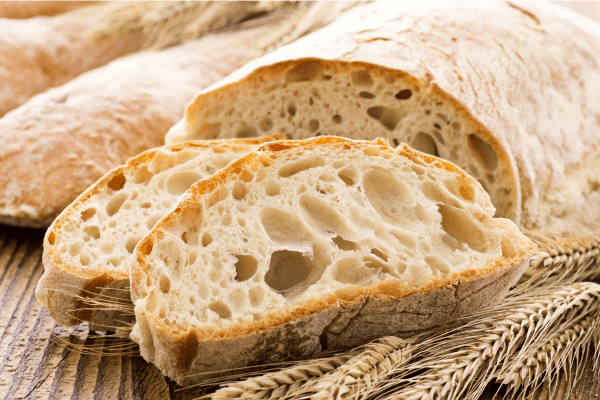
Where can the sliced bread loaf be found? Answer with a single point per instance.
(87, 248)
(318, 244)
(505, 91)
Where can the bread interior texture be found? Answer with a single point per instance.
(101, 232)
(313, 97)
(276, 230)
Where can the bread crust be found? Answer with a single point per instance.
(520, 99)
(28, 9)
(64, 288)
(346, 318)
(97, 121)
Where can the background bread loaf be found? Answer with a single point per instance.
(503, 90)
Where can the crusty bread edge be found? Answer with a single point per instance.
(61, 290)
(180, 354)
(226, 91)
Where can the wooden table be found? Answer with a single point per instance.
(32, 366)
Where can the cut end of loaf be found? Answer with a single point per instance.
(312, 97)
(300, 229)
(87, 248)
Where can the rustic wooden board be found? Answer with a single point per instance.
(32, 366)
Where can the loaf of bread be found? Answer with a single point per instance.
(87, 248)
(72, 135)
(28, 9)
(325, 243)
(39, 53)
(505, 91)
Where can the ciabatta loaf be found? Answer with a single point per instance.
(87, 248)
(73, 135)
(28, 9)
(505, 91)
(318, 244)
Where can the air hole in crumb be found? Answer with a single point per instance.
(142, 175)
(362, 78)
(131, 243)
(459, 226)
(164, 283)
(246, 131)
(379, 254)
(508, 248)
(288, 270)
(218, 195)
(208, 131)
(184, 237)
(396, 142)
(87, 214)
(272, 188)
(353, 271)
(220, 308)
(295, 167)
(85, 259)
(117, 182)
(344, 244)
(291, 109)
(206, 239)
(152, 220)
(245, 267)
(437, 263)
(484, 152)
(113, 206)
(162, 313)
(425, 143)
(265, 124)
(239, 190)
(93, 231)
(75, 248)
(388, 117)
(313, 125)
(366, 95)
(345, 176)
(305, 71)
(147, 248)
(256, 295)
(336, 119)
(404, 94)
(146, 205)
(182, 181)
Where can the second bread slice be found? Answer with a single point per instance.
(86, 249)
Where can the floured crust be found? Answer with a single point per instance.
(524, 102)
(65, 284)
(88, 126)
(336, 320)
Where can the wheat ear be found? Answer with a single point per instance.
(578, 254)
(363, 371)
(461, 365)
(566, 347)
(279, 384)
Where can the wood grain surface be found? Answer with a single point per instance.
(33, 365)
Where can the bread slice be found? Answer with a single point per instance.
(505, 91)
(87, 248)
(317, 244)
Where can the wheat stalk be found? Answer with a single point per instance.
(277, 385)
(363, 371)
(165, 23)
(459, 365)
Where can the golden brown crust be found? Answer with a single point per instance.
(63, 287)
(499, 272)
(28, 9)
